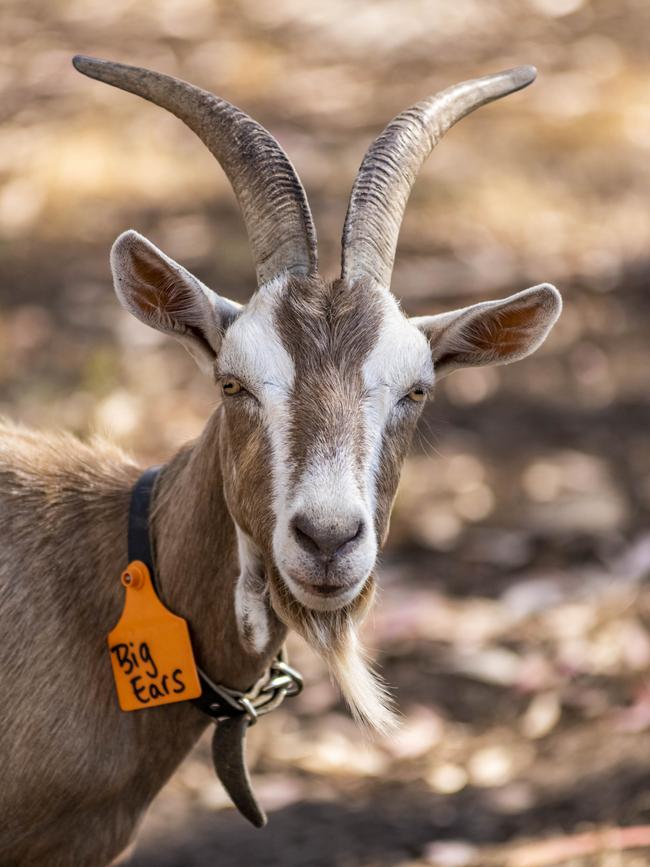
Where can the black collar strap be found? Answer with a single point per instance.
(139, 540)
(233, 710)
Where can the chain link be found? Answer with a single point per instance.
(279, 682)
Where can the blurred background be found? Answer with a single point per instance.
(514, 619)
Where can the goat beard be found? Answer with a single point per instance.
(334, 636)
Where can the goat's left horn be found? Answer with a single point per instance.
(272, 199)
(390, 166)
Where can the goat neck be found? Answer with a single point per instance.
(196, 562)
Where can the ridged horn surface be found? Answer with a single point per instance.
(390, 166)
(277, 216)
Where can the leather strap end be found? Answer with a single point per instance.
(229, 758)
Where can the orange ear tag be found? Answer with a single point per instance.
(150, 648)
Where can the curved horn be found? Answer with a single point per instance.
(390, 166)
(272, 199)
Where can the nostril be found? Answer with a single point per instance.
(326, 539)
(301, 532)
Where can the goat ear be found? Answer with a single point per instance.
(162, 294)
(495, 332)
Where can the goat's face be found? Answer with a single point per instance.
(323, 384)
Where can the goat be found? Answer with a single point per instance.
(272, 519)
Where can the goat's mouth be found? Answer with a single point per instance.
(323, 595)
(300, 605)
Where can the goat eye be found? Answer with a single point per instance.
(231, 386)
(417, 394)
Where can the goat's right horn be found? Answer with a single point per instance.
(272, 199)
(390, 166)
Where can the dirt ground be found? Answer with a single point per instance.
(513, 624)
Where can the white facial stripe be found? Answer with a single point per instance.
(400, 358)
(329, 490)
(253, 349)
(328, 475)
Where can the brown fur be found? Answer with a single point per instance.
(71, 758)
(246, 461)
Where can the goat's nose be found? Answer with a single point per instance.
(327, 539)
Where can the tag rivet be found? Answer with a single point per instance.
(132, 578)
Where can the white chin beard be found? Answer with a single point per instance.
(363, 689)
(333, 635)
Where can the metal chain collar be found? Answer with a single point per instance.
(277, 683)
